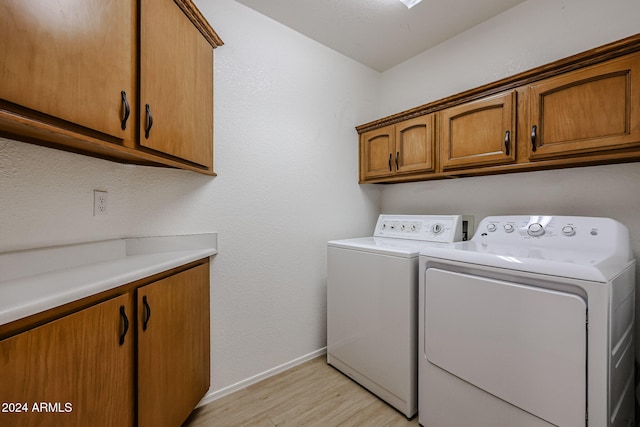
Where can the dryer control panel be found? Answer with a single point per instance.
(428, 228)
(569, 232)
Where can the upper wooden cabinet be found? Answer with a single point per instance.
(176, 84)
(376, 153)
(71, 73)
(414, 145)
(586, 111)
(479, 133)
(70, 61)
(403, 148)
(578, 111)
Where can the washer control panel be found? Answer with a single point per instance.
(557, 231)
(428, 228)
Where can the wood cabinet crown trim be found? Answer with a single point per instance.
(593, 56)
(199, 21)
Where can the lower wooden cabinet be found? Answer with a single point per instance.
(144, 352)
(75, 371)
(173, 347)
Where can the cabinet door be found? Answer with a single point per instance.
(70, 60)
(414, 145)
(71, 372)
(479, 133)
(585, 111)
(173, 347)
(176, 84)
(376, 153)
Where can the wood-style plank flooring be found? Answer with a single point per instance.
(310, 394)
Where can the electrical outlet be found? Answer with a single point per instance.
(99, 202)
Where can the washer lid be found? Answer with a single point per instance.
(383, 245)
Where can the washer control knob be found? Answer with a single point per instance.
(568, 230)
(508, 228)
(535, 230)
(437, 228)
(491, 227)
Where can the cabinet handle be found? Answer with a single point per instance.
(147, 127)
(127, 109)
(390, 158)
(534, 131)
(146, 314)
(507, 142)
(125, 321)
(397, 156)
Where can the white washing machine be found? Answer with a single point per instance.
(372, 291)
(530, 323)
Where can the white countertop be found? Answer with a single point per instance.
(36, 280)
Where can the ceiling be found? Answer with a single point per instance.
(380, 33)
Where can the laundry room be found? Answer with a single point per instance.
(286, 176)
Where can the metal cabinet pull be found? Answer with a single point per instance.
(507, 142)
(390, 158)
(147, 128)
(534, 131)
(127, 109)
(146, 314)
(125, 320)
(397, 156)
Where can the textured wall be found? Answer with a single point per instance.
(286, 154)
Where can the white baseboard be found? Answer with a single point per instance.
(217, 394)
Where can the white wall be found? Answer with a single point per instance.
(533, 33)
(286, 158)
(286, 154)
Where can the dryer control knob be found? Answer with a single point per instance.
(568, 230)
(508, 228)
(535, 230)
(437, 228)
(491, 227)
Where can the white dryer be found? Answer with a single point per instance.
(372, 303)
(530, 323)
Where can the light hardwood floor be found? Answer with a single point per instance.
(310, 394)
